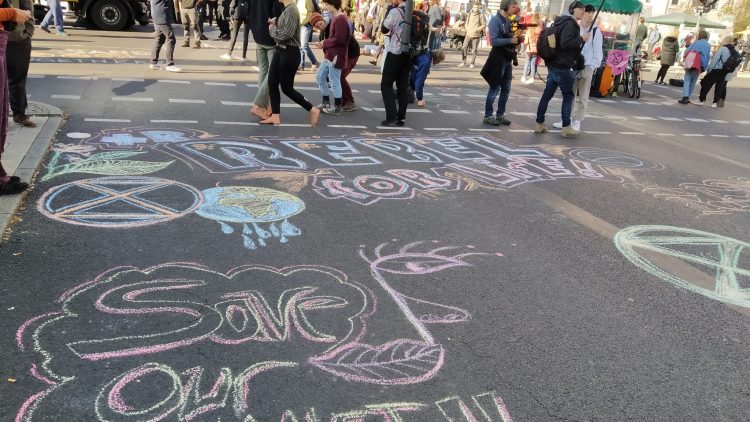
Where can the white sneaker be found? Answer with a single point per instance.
(471, 66)
(173, 68)
(700, 103)
(713, 105)
(154, 67)
(461, 64)
(529, 81)
(523, 79)
(557, 125)
(226, 56)
(576, 125)
(242, 59)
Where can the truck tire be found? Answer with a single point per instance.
(110, 15)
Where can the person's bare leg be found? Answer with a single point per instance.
(314, 116)
(275, 120)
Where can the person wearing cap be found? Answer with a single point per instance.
(561, 70)
(717, 72)
(593, 55)
(497, 70)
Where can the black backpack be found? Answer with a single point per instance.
(420, 32)
(734, 60)
(546, 45)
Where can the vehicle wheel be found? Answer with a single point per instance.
(638, 87)
(632, 84)
(110, 15)
(625, 80)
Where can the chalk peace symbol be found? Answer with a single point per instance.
(720, 254)
(119, 201)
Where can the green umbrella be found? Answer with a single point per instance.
(626, 7)
(682, 18)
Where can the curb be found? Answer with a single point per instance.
(31, 160)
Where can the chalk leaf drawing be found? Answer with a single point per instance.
(108, 163)
(133, 343)
(720, 255)
(251, 207)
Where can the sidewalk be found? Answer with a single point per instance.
(24, 150)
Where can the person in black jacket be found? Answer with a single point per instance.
(18, 57)
(258, 13)
(561, 70)
(162, 16)
(240, 17)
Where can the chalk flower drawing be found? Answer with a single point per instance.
(133, 327)
(108, 163)
(720, 255)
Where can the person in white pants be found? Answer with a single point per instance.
(593, 55)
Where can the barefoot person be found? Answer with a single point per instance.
(8, 184)
(285, 31)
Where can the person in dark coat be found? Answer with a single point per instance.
(669, 49)
(162, 16)
(497, 70)
(18, 57)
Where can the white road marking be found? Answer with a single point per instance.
(594, 132)
(79, 135)
(743, 136)
(450, 95)
(408, 110)
(67, 97)
(172, 81)
(665, 134)
(743, 122)
(175, 121)
(671, 119)
(453, 111)
(631, 133)
(719, 121)
(295, 124)
(393, 128)
(220, 83)
(440, 128)
(485, 130)
(36, 76)
(348, 126)
(84, 78)
(476, 95)
(373, 91)
(186, 101)
(366, 109)
(236, 103)
(691, 119)
(94, 119)
(128, 79)
(521, 130)
(643, 118)
(719, 136)
(220, 122)
(251, 85)
(307, 88)
(135, 99)
(607, 101)
(692, 135)
(739, 105)
(518, 113)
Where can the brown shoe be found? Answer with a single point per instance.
(23, 120)
(185, 44)
(197, 45)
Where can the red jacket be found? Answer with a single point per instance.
(335, 47)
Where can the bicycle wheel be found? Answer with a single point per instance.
(625, 78)
(632, 84)
(638, 85)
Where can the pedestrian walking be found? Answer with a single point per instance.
(201, 10)
(729, 77)
(593, 55)
(306, 9)
(259, 12)
(353, 53)
(475, 25)
(8, 16)
(285, 30)
(436, 25)
(213, 9)
(560, 70)
(335, 47)
(18, 57)
(54, 15)
(223, 17)
(653, 40)
(695, 58)
(396, 68)
(532, 37)
(238, 10)
(161, 15)
(745, 53)
(725, 61)
(669, 49)
(497, 70)
(641, 33)
(189, 17)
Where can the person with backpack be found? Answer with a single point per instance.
(396, 67)
(475, 24)
(593, 55)
(560, 47)
(669, 49)
(497, 70)
(306, 8)
(695, 59)
(335, 47)
(238, 10)
(725, 61)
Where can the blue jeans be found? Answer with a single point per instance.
(529, 69)
(691, 77)
(328, 72)
(305, 35)
(56, 12)
(565, 79)
(503, 89)
(420, 67)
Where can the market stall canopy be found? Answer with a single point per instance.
(625, 7)
(682, 18)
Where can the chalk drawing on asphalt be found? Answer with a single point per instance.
(131, 329)
(119, 201)
(710, 197)
(79, 159)
(263, 213)
(722, 257)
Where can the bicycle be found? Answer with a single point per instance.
(631, 76)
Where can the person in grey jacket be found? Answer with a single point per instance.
(161, 15)
(669, 49)
(475, 24)
(189, 17)
(17, 59)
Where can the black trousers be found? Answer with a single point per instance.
(662, 72)
(281, 73)
(163, 34)
(213, 7)
(18, 56)
(714, 77)
(397, 68)
(235, 30)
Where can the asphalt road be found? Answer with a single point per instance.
(176, 261)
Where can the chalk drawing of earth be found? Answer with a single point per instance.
(244, 204)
